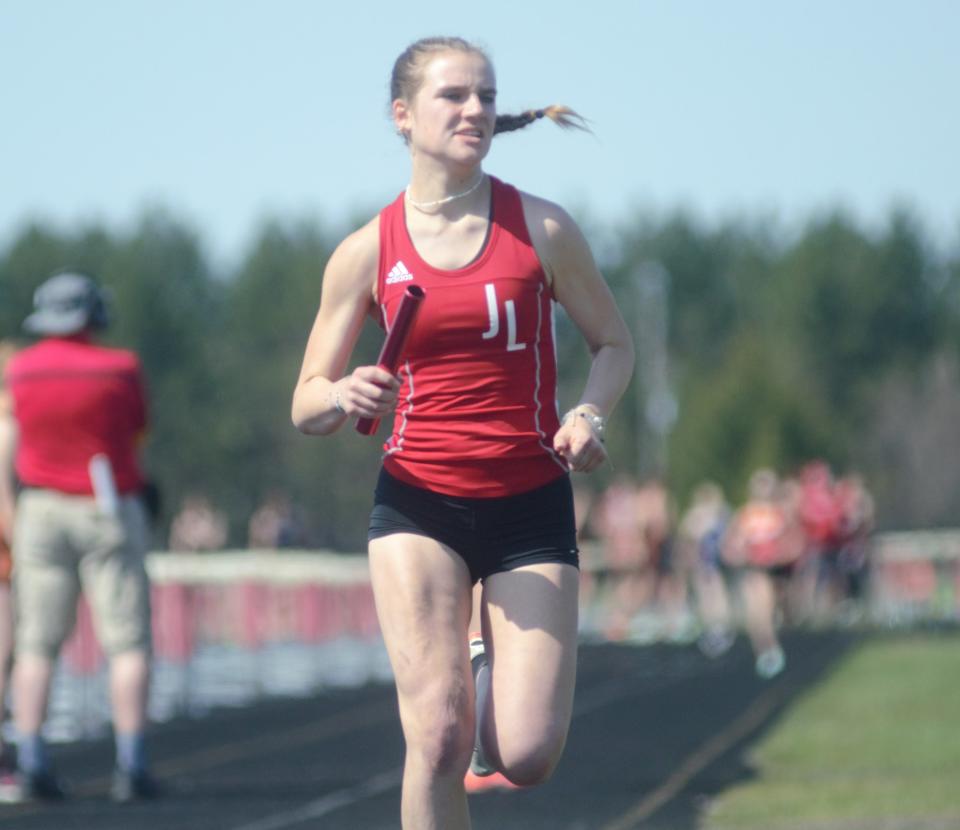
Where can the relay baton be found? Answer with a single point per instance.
(393, 345)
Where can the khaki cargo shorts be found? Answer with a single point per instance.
(62, 543)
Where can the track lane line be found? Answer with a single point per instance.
(758, 711)
(328, 803)
(204, 759)
(596, 698)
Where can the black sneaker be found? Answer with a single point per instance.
(130, 786)
(22, 787)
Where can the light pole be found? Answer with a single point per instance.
(655, 404)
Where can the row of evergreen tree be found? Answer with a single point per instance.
(756, 347)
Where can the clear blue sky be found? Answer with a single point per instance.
(226, 111)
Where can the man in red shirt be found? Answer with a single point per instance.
(80, 523)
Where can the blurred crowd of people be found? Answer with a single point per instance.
(200, 526)
(794, 551)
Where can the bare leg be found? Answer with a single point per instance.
(632, 592)
(423, 597)
(760, 597)
(530, 627)
(712, 599)
(129, 685)
(32, 675)
(716, 615)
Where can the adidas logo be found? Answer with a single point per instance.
(398, 273)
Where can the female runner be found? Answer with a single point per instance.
(475, 481)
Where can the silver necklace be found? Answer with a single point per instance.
(445, 199)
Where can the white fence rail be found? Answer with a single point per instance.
(233, 626)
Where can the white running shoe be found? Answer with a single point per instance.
(479, 765)
(715, 642)
(771, 662)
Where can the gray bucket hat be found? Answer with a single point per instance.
(67, 303)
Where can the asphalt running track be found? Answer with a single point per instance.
(656, 731)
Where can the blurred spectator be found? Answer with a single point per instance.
(81, 413)
(789, 578)
(699, 543)
(275, 524)
(761, 543)
(630, 575)
(633, 523)
(819, 510)
(591, 560)
(820, 517)
(8, 443)
(656, 516)
(856, 528)
(198, 526)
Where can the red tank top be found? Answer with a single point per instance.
(74, 399)
(764, 528)
(478, 409)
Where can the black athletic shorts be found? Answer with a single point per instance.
(492, 534)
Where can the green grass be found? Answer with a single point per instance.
(878, 739)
